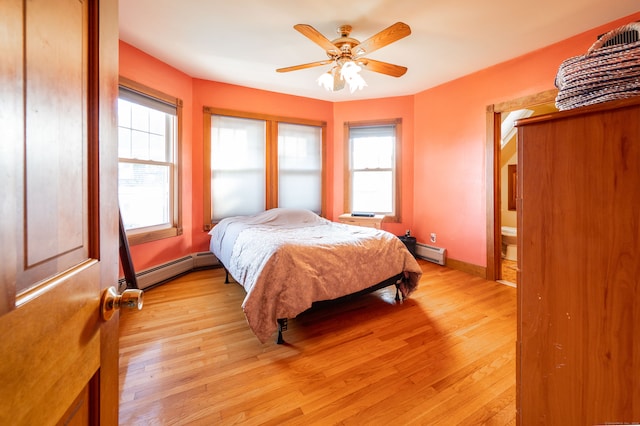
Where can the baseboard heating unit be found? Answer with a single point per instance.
(431, 253)
(169, 270)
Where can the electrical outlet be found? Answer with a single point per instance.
(433, 237)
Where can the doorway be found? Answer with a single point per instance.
(501, 153)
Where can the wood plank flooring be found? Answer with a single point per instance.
(445, 356)
(509, 271)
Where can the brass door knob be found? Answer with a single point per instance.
(111, 301)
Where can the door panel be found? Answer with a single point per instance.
(55, 117)
(58, 234)
(50, 348)
(56, 59)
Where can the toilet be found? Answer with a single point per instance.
(509, 241)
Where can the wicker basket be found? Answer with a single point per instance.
(602, 74)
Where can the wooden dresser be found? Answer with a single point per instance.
(578, 346)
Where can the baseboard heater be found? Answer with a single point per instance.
(166, 271)
(431, 253)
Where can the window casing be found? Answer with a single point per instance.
(254, 162)
(373, 168)
(149, 128)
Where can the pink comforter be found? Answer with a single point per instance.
(288, 259)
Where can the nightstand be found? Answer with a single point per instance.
(369, 222)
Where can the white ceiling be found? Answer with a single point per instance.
(243, 41)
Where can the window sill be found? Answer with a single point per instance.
(369, 222)
(141, 236)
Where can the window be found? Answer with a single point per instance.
(255, 162)
(300, 166)
(373, 157)
(148, 173)
(238, 168)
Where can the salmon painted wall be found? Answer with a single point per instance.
(450, 140)
(376, 109)
(444, 139)
(144, 69)
(220, 95)
(196, 94)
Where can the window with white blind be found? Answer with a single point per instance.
(148, 141)
(255, 162)
(238, 167)
(300, 166)
(373, 155)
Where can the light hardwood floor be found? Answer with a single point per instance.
(509, 271)
(445, 356)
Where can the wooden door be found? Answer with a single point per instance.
(59, 212)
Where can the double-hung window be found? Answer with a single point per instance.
(148, 174)
(373, 153)
(255, 162)
(238, 166)
(300, 166)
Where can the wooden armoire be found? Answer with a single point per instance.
(578, 347)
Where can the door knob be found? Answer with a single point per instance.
(111, 301)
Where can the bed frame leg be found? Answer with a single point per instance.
(398, 292)
(282, 326)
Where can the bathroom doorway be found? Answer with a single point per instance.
(501, 184)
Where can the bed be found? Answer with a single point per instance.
(287, 259)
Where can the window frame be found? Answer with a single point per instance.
(152, 233)
(397, 167)
(271, 156)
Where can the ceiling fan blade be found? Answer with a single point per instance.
(387, 36)
(382, 67)
(316, 37)
(303, 66)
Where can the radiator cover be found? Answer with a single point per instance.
(431, 253)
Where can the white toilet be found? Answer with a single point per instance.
(509, 241)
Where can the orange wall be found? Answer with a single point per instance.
(376, 109)
(444, 140)
(144, 69)
(450, 140)
(221, 95)
(196, 94)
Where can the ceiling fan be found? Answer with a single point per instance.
(347, 55)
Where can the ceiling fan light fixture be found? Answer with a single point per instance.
(350, 72)
(326, 79)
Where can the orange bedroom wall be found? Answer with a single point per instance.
(221, 95)
(145, 69)
(196, 94)
(368, 110)
(450, 140)
(443, 172)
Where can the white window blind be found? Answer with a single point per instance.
(300, 166)
(237, 166)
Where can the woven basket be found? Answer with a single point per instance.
(602, 74)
